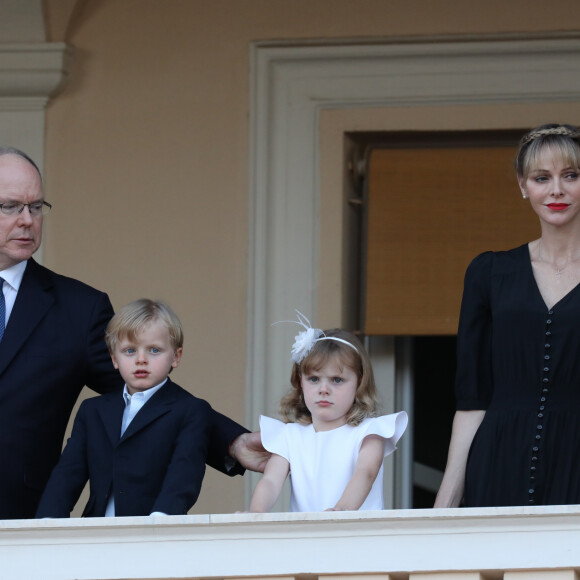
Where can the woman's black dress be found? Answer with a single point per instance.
(520, 361)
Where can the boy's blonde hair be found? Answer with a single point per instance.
(293, 408)
(133, 317)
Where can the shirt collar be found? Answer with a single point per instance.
(13, 275)
(145, 395)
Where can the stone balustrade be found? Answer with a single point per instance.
(524, 543)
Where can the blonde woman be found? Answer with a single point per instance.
(516, 436)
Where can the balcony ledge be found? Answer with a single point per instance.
(396, 542)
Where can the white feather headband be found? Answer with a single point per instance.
(305, 340)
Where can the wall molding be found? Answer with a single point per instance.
(30, 74)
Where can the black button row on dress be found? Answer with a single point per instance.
(540, 415)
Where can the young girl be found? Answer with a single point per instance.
(331, 441)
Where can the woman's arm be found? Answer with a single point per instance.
(269, 487)
(366, 469)
(465, 425)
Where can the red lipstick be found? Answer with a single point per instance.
(557, 206)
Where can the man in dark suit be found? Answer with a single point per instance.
(143, 450)
(52, 344)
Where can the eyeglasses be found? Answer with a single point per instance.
(15, 207)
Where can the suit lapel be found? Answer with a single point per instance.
(159, 404)
(35, 298)
(110, 409)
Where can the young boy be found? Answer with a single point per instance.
(143, 451)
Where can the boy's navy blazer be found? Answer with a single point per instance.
(157, 465)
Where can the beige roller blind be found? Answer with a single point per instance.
(430, 212)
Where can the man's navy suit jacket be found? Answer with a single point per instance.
(157, 465)
(52, 347)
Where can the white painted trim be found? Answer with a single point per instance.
(31, 73)
(254, 545)
(22, 21)
(290, 86)
(405, 399)
(381, 349)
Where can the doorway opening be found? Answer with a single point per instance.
(411, 264)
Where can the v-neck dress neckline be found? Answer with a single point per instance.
(573, 290)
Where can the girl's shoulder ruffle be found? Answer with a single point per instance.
(390, 427)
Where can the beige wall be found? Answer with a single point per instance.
(147, 152)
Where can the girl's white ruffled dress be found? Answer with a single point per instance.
(322, 463)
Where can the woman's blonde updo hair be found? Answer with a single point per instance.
(561, 140)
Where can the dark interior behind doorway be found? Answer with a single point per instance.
(434, 406)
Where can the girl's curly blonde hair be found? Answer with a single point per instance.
(293, 408)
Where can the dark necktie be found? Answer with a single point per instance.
(2, 309)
